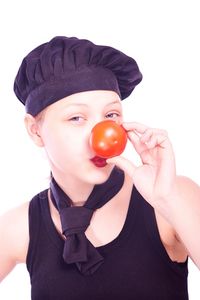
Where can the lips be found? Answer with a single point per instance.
(99, 161)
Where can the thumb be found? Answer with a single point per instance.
(123, 163)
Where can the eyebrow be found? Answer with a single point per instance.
(114, 102)
(85, 105)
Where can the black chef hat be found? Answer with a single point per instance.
(65, 66)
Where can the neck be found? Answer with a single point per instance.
(76, 190)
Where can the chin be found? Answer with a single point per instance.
(99, 175)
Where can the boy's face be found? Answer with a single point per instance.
(65, 131)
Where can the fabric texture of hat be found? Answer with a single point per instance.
(65, 66)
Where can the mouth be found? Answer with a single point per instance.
(99, 161)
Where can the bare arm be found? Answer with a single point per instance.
(176, 198)
(13, 239)
(183, 212)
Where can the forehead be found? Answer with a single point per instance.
(90, 99)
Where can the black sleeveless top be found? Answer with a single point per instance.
(136, 265)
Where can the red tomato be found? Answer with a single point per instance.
(108, 139)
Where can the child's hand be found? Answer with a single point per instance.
(155, 178)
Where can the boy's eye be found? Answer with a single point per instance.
(76, 119)
(112, 115)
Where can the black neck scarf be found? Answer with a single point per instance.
(76, 219)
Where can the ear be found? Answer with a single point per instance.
(33, 129)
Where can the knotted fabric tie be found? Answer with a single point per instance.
(75, 220)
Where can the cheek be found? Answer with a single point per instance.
(78, 144)
(66, 146)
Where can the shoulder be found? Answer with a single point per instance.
(14, 231)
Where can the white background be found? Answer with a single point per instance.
(163, 37)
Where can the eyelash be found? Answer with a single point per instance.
(111, 115)
(117, 115)
(75, 118)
